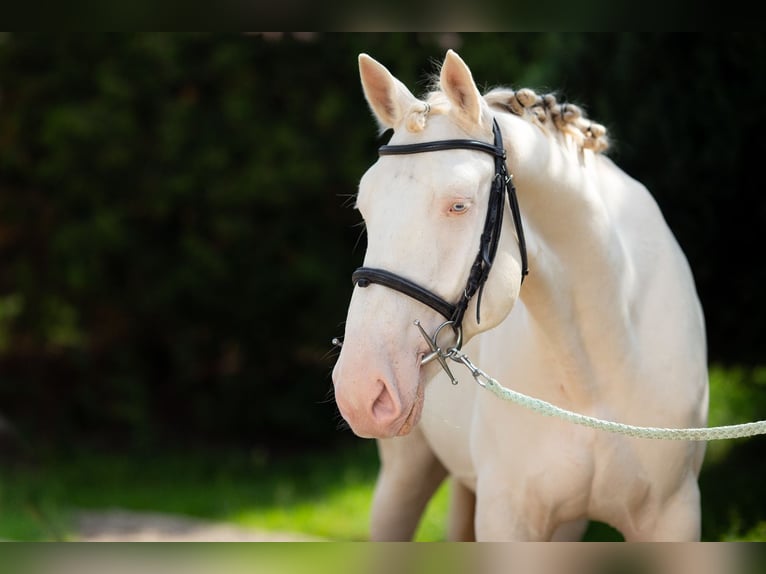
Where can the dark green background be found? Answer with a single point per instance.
(175, 237)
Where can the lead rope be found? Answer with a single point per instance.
(550, 410)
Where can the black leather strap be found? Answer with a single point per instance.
(366, 275)
(440, 146)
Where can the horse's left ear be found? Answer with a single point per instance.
(457, 83)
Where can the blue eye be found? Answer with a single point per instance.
(458, 207)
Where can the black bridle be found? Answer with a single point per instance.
(502, 185)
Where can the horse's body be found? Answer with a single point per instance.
(607, 324)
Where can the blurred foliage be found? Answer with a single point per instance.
(175, 237)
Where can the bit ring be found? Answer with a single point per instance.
(437, 351)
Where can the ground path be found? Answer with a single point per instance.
(118, 525)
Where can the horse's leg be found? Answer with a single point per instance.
(462, 513)
(677, 520)
(495, 525)
(409, 475)
(571, 531)
(517, 514)
(499, 522)
(507, 512)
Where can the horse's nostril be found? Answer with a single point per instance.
(384, 407)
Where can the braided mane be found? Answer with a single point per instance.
(544, 111)
(547, 112)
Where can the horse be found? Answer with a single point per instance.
(607, 322)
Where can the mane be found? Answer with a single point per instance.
(545, 111)
(551, 115)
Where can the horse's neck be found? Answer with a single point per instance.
(576, 287)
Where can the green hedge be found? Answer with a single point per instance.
(175, 237)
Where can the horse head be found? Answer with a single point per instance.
(424, 215)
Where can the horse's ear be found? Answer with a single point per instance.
(387, 96)
(457, 83)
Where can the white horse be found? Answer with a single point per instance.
(607, 323)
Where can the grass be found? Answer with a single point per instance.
(327, 494)
(322, 494)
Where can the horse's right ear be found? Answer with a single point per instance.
(387, 96)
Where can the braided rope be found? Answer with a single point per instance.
(550, 410)
(699, 434)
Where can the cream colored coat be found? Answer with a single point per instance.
(607, 324)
